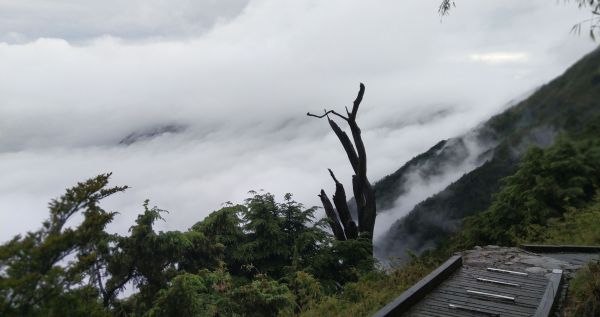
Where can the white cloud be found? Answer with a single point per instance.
(78, 20)
(500, 57)
(241, 88)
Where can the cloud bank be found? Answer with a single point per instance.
(235, 80)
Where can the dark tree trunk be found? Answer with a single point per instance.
(342, 224)
(334, 222)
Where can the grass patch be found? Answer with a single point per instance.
(578, 226)
(372, 291)
(584, 293)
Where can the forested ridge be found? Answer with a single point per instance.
(568, 104)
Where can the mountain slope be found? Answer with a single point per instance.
(567, 104)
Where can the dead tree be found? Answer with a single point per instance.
(340, 219)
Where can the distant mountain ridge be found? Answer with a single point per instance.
(566, 104)
(150, 133)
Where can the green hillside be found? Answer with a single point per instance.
(569, 103)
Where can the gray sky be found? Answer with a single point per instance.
(235, 79)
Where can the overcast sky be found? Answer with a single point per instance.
(231, 82)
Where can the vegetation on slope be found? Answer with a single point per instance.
(373, 290)
(577, 226)
(548, 184)
(569, 104)
(584, 293)
(553, 198)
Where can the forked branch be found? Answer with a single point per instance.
(326, 114)
(342, 224)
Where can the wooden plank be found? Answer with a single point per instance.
(442, 303)
(441, 307)
(526, 303)
(522, 284)
(550, 296)
(461, 287)
(411, 296)
(536, 281)
(446, 311)
(501, 290)
(473, 310)
(527, 289)
(499, 307)
(532, 277)
(445, 294)
(519, 301)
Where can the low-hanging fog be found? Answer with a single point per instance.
(193, 104)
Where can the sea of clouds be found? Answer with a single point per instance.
(213, 95)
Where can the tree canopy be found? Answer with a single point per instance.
(257, 258)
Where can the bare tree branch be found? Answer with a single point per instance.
(347, 144)
(357, 101)
(333, 176)
(341, 205)
(334, 222)
(326, 114)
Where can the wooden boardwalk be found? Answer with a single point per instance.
(474, 291)
(493, 281)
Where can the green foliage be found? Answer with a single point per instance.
(266, 237)
(577, 226)
(259, 258)
(263, 297)
(306, 289)
(150, 259)
(80, 302)
(569, 104)
(265, 247)
(43, 269)
(202, 294)
(547, 184)
(584, 292)
(372, 291)
(342, 261)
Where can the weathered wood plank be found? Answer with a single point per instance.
(503, 306)
(531, 279)
(411, 296)
(477, 304)
(550, 296)
(506, 291)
